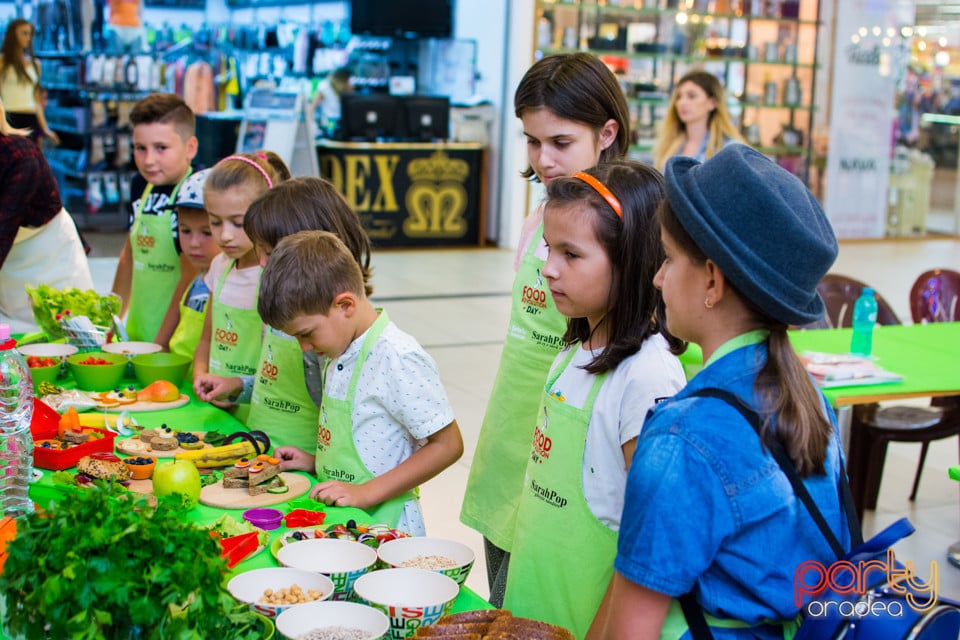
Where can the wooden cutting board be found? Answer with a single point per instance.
(142, 405)
(214, 495)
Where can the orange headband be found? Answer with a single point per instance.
(601, 188)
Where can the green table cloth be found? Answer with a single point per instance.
(201, 416)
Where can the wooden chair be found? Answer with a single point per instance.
(934, 297)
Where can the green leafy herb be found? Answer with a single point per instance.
(103, 564)
(214, 438)
(210, 478)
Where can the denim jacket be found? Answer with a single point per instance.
(708, 508)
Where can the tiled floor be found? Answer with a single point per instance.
(456, 304)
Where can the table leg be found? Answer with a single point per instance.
(857, 459)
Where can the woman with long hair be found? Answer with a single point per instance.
(20, 82)
(698, 123)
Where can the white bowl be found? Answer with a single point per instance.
(412, 552)
(249, 586)
(343, 561)
(131, 349)
(48, 350)
(411, 598)
(305, 618)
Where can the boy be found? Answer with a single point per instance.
(183, 324)
(152, 270)
(386, 424)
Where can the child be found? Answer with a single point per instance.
(181, 329)
(286, 390)
(230, 341)
(152, 269)
(385, 422)
(600, 227)
(707, 510)
(574, 115)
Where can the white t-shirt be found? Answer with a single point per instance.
(618, 413)
(399, 402)
(240, 288)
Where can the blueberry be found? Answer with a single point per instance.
(299, 535)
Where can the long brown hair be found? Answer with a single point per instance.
(791, 404)
(15, 56)
(578, 87)
(719, 126)
(634, 307)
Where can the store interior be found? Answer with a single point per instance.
(459, 311)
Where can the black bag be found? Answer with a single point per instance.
(874, 608)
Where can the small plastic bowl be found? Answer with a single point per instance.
(150, 367)
(44, 374)
(343, 561)
(48, 350)
(248, 587)
(411, 598)
(131, 349)
(140, 471)
(97, 377)
(304, 618)
(57, 350)
(421, 553)
(265, 519)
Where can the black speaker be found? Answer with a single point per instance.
(217, 137)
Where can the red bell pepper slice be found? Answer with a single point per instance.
(304, 518)
(236, 548)
(231, 543)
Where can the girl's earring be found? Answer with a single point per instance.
(707, 303)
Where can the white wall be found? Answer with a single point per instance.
(514, 195)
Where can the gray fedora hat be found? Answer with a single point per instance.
(760, 224)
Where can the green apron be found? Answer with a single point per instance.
(235, 337)
(187, 335)
(337, 457)
(156, 267)
(533, 341)
(280, 405)
(675, 625)
(562, 558)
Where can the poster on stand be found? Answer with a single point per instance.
(862, 116)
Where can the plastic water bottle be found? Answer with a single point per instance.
(16, 441)
(864, 318)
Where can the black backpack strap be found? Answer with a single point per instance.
(692, 610)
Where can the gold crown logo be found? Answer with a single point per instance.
(439, 167)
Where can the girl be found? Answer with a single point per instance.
(574, 115)
(230, 341)
(707, 510)
(600, 227)
(20, 82)
(285, 391)
(698, 123)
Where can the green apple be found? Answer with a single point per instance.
(178, 477)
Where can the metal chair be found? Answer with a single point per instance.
(934, 297)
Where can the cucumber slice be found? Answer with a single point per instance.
(281, 489)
